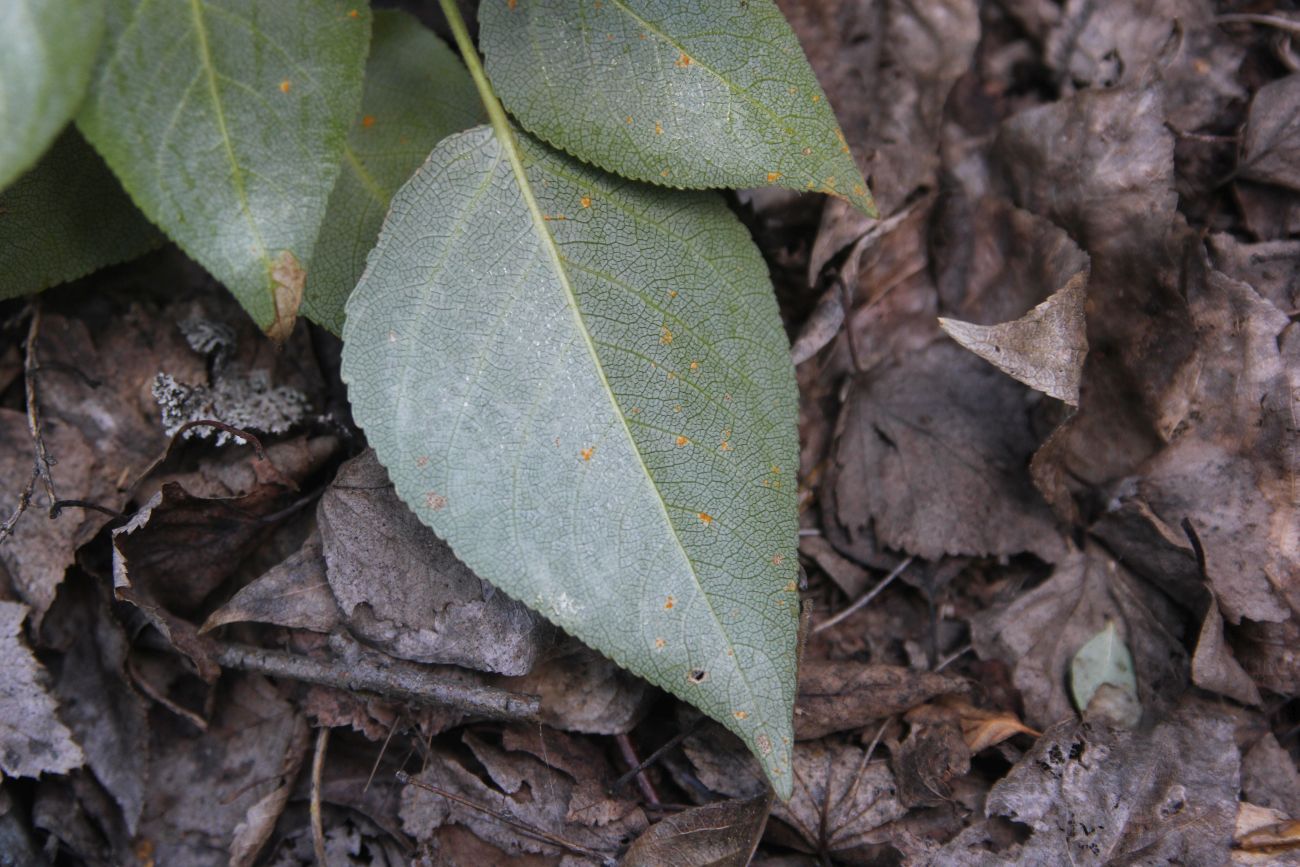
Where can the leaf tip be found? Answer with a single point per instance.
(288, 279)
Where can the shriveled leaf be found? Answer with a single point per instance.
(1271, 149)
(1044, 349)
(1105, 661)
(66, 217)
(722, 834)
(294, 593)
(1214, 667)
(225, 120)
(582, 384)
(47, 52)
(32, 739)
(582, 691)
(711, 94)
(416, 93)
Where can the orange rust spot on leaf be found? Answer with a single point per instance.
(660, 644)
(636, 410)
(368, 121)
(773, 177)
(677, 408)
(627, 119)
(558, 218)
(725, 446)
(284, 86)
(587, 453)
(816, 97)
(790, 586)
(353, 13)
(776, 469)
(695, 365)
(706, 518)
(669, 603)
(512, 3)
(659, 128)
(672, 293)
(778, 559)
(683, 61)
(665, 336)
(807, 152)
(740, 714)
(435, 501)
(859, 189)
(422, 461)
(665, 173)
(793, 90)
(585, 201)
(672, 374)
(681, 441)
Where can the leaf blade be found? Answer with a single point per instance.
(710, 95)
(640, 507)
(416, 93)
(47, 52)
(225, 120)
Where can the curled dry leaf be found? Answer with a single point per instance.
(1044, 349)
(838, 695)
(722, 834)
(32, 740)
(1269, 776)
(1215, 668)
(402, 589)
(582, 691)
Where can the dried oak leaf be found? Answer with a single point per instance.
(842, 799)
(839, 695)
(547, 780)
(32, 739)
(721, 834)
(1038, 633)
(294, 594)
(1271, 144)
(934, 452)
(403, 590)
(1271, 267)
(1093, 795)
(1215, 668)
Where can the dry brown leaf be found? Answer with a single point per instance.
(1271, 144)
(1271, 267)
(582, 691)
(1215, 668)
(840, 694)
(32, 739)
(1044, 349)
(722, 834)
(933, 754)
(293, 594)
(985, 728)
(402, 589)
(933, 453)
(1269, 776)
(1039, 632)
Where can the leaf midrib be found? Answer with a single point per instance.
(237, 172)
(505, 135)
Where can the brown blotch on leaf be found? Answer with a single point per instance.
(669, 603)
(435, 501)
(289, 278)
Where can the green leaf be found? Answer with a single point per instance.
(67, 217)
(1105, 661)
(583, 385)
(416, 94)
(714, 93)
(47, 51)
(225, 121)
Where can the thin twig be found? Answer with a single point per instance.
(58, 506)
(24, 500)
(529, 830)
(628, 751)
(954, 656)
(317, 769)
(235, 432)
(865, 598)
(397, 680)
(43, 462)
(654, 757)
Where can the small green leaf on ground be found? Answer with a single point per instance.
(66, 217)
(47, 52)
(225, 121)
(709, 94)
(1106, 662)
(416, 93)
(583, 385)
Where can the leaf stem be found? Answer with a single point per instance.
(469, 53)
